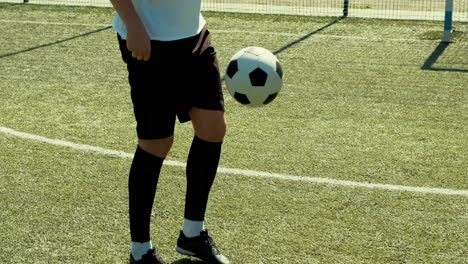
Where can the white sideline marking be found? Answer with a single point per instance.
(52, 23)
(297, 35)
(250, 173)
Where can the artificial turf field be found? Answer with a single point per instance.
(365, 102)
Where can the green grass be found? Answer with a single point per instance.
(355, 106)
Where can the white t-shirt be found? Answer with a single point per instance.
(166, 20)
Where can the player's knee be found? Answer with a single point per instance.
(209, 125)
(157, 147)
(219, 132)
(214, 133)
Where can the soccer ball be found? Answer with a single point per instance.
(254, 76)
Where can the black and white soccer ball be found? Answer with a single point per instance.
(254, 76)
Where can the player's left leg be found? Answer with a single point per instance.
(209, 125)
(202, 163)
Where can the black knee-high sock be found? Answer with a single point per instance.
(202, 164)
(142, 182)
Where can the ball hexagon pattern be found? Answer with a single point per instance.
(254, 76)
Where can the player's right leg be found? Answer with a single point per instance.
(142, 183)
(156, 147)
(155, 129)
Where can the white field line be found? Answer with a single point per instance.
(52, 23)
(319, 35)
(249, 173)
(285, 34)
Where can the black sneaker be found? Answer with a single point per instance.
(202, 247)
(151, 257)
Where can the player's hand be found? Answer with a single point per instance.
(139, 43)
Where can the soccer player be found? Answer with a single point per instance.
(173, 73)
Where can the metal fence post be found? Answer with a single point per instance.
(345, 8)
(448, 21)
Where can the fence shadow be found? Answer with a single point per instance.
(53, 43)
(432, 59)
(301, 39)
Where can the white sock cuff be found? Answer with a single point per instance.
(192, 228)
(140, 249)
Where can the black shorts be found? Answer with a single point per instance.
(180, 74)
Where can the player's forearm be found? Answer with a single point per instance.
(127, 13)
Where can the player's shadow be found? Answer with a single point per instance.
(432, 59)
(187, 261)
(53, 43)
